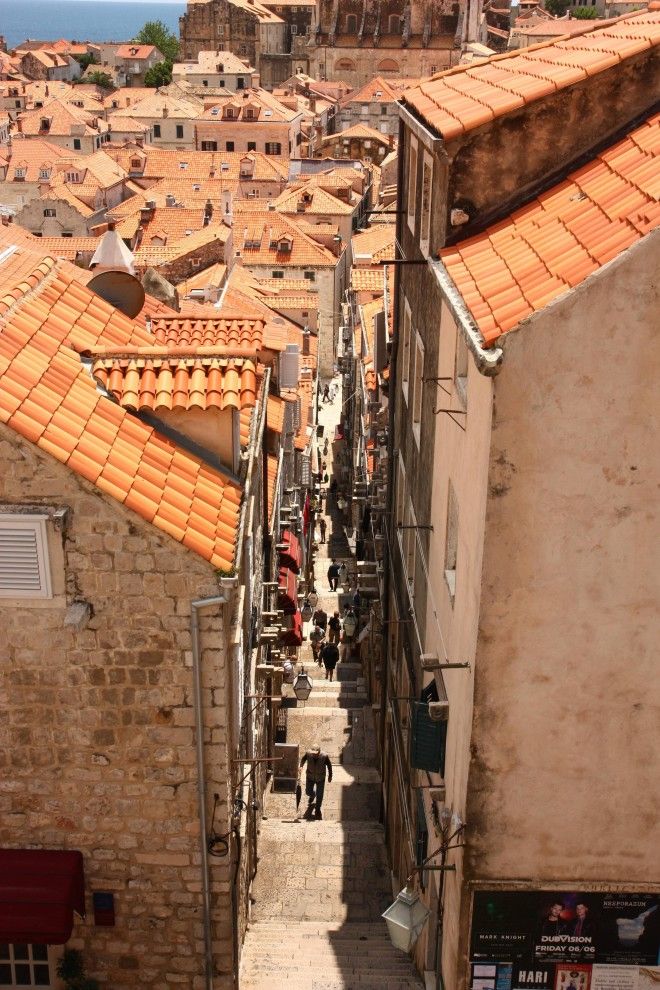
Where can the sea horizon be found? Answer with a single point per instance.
(92, 20)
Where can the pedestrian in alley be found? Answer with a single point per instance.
(320, 618)
(323, 527)
(330, 656)
(316, 638)
(335, 628)
(357, 601)
(326, 393)
(317, 765)
(343, 575)
(333, 575)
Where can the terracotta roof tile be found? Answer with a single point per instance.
(458, 100)
(47, 396)
(553, 243)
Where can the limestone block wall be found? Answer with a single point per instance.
(97, 741)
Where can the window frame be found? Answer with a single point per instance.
(451, 541)
(35, 522)
(426, 204)
(12, 962)
(406, 336)
(461, 367)
(413, 162)
(417, 389)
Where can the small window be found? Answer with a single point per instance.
(427, 188)
(240, 82)
(67, 233)
(252, 146)
(277, 274)
(205, 82)
(50, 213)
(273, 148)
(229, 146)
(412, 183)
(156, 130)
(24, 561)
(383, 110)
(461, 367)
(406, 331)
(418, 388)
(209, 145)
(76, 144)
(310, 276)
(25, 965)
(351, 24)
(451, 541)
(179, 130)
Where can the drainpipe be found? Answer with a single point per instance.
(195, 607)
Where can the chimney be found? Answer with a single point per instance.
(165, 111)
(208, 212)
(46, 90)
(19, 125)
(170, 200)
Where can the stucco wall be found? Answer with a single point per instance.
(563, 781)
(97, 750)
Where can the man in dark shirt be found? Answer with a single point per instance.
(317, 764)
(333, 575)
(320, 618)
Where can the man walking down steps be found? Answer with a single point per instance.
(317, 764)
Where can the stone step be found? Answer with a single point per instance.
(353, 795)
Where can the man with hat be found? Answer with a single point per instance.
(317, 764)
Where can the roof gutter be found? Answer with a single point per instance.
(487, 359)
(195, 606)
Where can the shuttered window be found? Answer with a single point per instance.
(429, 738)
(24, 564)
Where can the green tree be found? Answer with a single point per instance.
(556, 7)
(159, 74)
(156, 33)
(585, 13)
(101, 79)
(89, 58)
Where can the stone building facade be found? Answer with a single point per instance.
(351, 40)
(99, 752)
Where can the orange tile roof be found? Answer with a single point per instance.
(374, 244)
(275, 413)
(259, 235)
(460, 99)
(160, 163)
(165, 382)
(135, 51)
(359, 131)
(367, 279)
(227, 331)
(519, 265)
(48, 397)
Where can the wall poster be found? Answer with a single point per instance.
(565, 940)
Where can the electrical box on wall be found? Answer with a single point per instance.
(104, 909)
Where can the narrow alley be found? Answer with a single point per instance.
(322, 884)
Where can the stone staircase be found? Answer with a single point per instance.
(321, 886)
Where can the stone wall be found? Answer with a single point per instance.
(97, 748)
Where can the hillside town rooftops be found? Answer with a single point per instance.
(520, 265)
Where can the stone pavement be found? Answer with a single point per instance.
(321, 886)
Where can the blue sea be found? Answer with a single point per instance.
(83, 20)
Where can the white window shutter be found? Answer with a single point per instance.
(24, 564)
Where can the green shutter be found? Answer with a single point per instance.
(429, 740)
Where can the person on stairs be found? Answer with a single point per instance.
(330, 656)
(320, 618)
(323, 527)
(335, 628)
(317, 764)
(333, 575)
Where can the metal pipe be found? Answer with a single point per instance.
(195, 607)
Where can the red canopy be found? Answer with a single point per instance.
(294, 635)
(39, 891)
(287, 598)
(291, 558)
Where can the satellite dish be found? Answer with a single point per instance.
(121, 290)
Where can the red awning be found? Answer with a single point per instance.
(287, 598)
(39, 891)
(291, 558)
(294, 635)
